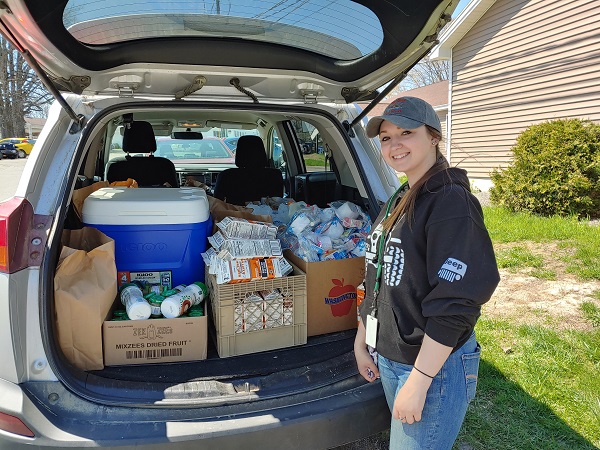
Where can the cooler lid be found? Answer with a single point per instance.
(146, 206)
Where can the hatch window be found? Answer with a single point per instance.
(339, 29)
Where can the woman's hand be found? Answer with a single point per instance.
(366, 366)
(409, 403)
(410, 400)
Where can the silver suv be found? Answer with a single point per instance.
(289, 73)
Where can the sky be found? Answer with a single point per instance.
(460, 7)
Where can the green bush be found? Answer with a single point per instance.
(555, 171)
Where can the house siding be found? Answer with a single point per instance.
(523, 62)
(443, 115)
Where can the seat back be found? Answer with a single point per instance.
(252, 179)
(317, 188)
(148, 171)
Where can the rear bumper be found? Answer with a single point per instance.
(320, 423)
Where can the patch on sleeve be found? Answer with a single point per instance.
(452, 270)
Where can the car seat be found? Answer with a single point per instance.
(148, 171)
(317, 188)
(252, 179)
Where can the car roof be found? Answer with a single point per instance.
(314, 49)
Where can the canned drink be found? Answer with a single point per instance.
(135, 304)
(119, 314)
(155, 301)
(195, 311)
(175, 290)
(178, 304)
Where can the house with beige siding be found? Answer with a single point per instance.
(515, 63)
(435, 94)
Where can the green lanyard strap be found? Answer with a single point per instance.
(381, 247)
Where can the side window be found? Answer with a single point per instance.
(278, 156)
(311, 145)
(116, 143)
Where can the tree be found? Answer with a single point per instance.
(555, 170)
(21, 92)
(426, 72)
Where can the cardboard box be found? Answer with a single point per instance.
(149, 281)
(154, 340)
(331, 292)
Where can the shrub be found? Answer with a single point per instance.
(555, 171)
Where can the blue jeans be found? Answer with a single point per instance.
(447, 399)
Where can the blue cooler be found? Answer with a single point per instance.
(159, 233)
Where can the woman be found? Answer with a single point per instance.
(430, 269)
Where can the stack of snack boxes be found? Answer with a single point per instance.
(258, 299)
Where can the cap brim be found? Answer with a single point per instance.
(373, 126)
(403, 122)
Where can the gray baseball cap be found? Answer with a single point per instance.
(407, 113)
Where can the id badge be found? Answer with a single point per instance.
(371, 335)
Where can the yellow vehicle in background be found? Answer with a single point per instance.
(24, 145)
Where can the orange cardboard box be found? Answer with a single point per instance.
(331, 292)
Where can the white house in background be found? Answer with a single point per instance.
(515, 63)
(33, 127)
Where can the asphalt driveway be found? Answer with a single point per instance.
(10, 174)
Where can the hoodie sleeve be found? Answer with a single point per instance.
(461, 268)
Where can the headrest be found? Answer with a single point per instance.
(138, 137)
(250, 153)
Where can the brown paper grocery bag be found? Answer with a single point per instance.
(220, 209)
(85, 287)
(79, 195)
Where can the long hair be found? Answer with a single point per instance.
(406, 205)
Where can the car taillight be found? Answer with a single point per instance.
(14, 425)
(16, 220)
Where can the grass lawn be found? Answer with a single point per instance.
(314, 159)
(539, 384)
(538, 389)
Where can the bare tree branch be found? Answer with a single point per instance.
(424, 73)
(21, 93)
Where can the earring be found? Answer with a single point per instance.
(434, 142)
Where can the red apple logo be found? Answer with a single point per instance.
(341, 298)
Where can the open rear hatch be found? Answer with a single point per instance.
(315, 51)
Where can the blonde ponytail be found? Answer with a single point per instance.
(406, 205)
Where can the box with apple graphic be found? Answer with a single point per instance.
(331, 292)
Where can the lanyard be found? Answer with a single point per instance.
(380, 249)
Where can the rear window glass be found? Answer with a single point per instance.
(339, 29)
(217, 144)
(191, 149)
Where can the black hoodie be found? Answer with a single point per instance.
(436, 273)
